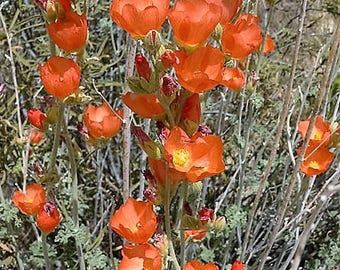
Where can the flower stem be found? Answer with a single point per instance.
(167, 201)
(74, 176)
(182, 243)
(45, 251)
(56, 141)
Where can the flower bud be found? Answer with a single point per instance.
(168, 85)
(153, 40)
(37, 118)
(168, 58)
(149, 146)
(142, 66)
(219, 224)
(53, 114)
(36, 136)
(205, 215)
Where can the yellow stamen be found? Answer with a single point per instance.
(180, 157)
(318, 136)
(314, 165)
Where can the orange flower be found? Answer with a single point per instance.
(60, 76)
(198, 157)
(145, 105)
(316, 161)
(321, 132)
(269, 45)
(229, 9)
(233, 78)
(135, 221)
(200, 70)
(101, 122)
(241, 38)
(237, 265)
(36, 136)
(196, 265)
(30, 202)
(197, 235)
(69, 32)
(193, 21)
(37, 118)
(158, 169)
(139, 17)
(144, 256)
(48, 217)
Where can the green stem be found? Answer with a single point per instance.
(56, 141)
(182, 243)
(167, 201)
(45, 251)
(74, 176)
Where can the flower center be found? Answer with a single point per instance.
(314, 165)
(180, 157)
(318, 136)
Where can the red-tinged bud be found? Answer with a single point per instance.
(162, 131)
(37, 118)
(142, 66)
(149, 177)
(153, 40)
(205, 215)
(254, 78)
(169, 58)
(36, 136)
(168, 85)
(151, 148)
(150, 194)
(82, 129)
(204, 130)
(41, 3)
(38, 169)
(187, 209)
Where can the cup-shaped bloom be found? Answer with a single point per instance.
(135, 221)
(198, 157)
(37, 118)
(201, 70)
(139, 17)
(233, 78)
(229, 9)
(241, 38)
(321, 132)
(317, 160)
(101, 122)
(237, 265)
(31, 201)
(269, 45)
(193, 21)
(70, 32)
(196, 265)
(48, 217)
(60, 76)
(36, 136)
(145, 105)
(144, 256)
